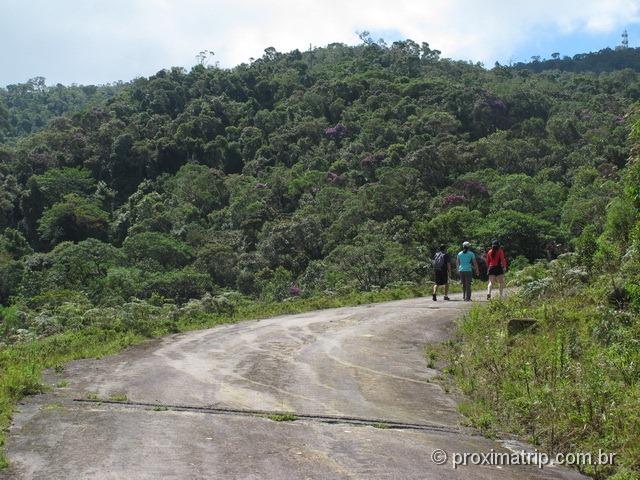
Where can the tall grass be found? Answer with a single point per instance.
(570, 384)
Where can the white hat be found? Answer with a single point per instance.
(466, 244)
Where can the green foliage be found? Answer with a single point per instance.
(201, 186)
(291, 161)
(81, 265)
(180, 285)
(220, 261)
(572, 382)
(28, 107)
(571, 385)
(282, 417)
(74, 219)
(156, 251)
(13, 242)
(55, 183)
(370, 262)
(587, 200)
(604, 60)
(10, 276)
(275, 285)
(521, 233)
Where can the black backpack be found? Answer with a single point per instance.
(439, 261)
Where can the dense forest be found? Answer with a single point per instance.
(336, 169)
(331, 171)
(28, 107)
(605, 60)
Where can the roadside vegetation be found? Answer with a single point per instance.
(568, 379)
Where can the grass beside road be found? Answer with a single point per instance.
(21, 365)
(570, 383)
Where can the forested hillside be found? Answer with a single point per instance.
(605, 60)
(332, 170)
(28, 107)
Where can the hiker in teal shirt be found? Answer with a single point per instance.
(467, 264)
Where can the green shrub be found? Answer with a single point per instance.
(571, 384)
(156, 251)
(178, 285)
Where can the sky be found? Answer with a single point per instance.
(96, 41)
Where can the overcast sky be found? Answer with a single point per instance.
(96, 41)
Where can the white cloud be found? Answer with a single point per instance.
(97, 41)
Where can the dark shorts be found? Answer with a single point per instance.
(442, 277)
(497, 270)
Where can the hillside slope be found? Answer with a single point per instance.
(333, 169)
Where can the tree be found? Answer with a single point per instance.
(370, 261)
(178, 285)
(14, 243)
(156, 251)
(74, 219)
(55, 183)
(519, 233)
(450, 228)
(80, 266)
(220, 261)
(203, 187)
(10, 276)
(4, 121)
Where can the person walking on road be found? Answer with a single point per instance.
(467, 264)
(496, 266)
(442, 271)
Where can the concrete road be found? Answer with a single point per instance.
(193, 405)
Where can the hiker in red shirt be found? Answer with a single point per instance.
(496, 266)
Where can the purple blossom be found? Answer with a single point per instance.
(295, 290)
(337, 132)
(336, 179)
(608, 170)
(497, 104)
(453, 200)
(472, 187)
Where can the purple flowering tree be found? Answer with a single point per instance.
(338, 132)
(295, 290)
(472, 188)
(451, 200)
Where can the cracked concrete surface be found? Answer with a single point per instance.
(366, 361)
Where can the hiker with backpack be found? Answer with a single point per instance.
(467, 264)
(496, 266)
(442, 271)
